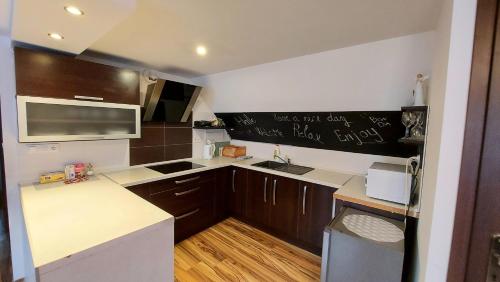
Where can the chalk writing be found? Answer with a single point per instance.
(244, 120)
(312, 118)
(360, 137)
(273, 132)
(368, 132)
(281, 118)
(380, 121)
(303, 132)
(336, 118)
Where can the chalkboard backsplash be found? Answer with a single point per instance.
(374, 132)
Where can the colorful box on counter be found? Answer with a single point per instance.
(52, 177)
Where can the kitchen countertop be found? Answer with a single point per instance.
(141, 174)
(354, 191)
(62, 220)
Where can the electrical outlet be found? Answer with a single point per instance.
(44, 148)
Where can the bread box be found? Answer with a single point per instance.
(232, 151)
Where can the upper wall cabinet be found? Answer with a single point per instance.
(46, 74)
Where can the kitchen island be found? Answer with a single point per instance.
(96, 231)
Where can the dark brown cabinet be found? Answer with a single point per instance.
(258, 197)
(190, 199)
(237, 190)
(55, 75)
(290, 209)
(315, 212)
(222, 182)
(284, 206)
(272, 203)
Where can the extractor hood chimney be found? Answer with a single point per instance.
(169, 101)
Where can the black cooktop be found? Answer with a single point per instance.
(174, 167)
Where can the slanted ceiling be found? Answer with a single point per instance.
(163, 34)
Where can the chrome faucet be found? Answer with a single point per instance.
(287, 161)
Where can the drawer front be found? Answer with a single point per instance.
(177, 201)
(181, 181)
(193, 221)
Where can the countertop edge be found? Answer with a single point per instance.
(371, 202)
(236, 164)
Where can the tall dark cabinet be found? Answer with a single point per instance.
(315, 212)
(258, 197)
(236, 191)
(284, 196)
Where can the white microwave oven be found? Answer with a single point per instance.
(388, 182)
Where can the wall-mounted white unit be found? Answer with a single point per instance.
(48, 119)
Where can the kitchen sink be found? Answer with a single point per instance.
(269, 164)
(288, 168)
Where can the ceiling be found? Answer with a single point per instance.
(34, 19)
(163, 34)
(5, 9)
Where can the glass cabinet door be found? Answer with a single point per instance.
(48, 119)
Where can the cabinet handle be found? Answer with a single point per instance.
(232, 183)
(304, 200)
(274, 192)
(187, 214)
(186, 192)
(89, 98)
(187, 180)
(265, 189)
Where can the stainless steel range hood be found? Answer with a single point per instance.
(169, 101)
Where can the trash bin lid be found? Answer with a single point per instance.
(373, 228)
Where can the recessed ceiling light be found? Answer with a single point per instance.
(56, 36)
(73, 10)
(201, 50)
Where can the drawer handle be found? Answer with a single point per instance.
(265, 189)
(232, 183)
(274, 192)
(304, 200)
(187, 192)
(187, 214)
(187, 180)
(161, 192)
(89, 98)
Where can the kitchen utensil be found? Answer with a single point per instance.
(208, 150)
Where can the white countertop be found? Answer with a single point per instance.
(62, 220)
(140, 174)
(354, 191)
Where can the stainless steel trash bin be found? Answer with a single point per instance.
(359, 247)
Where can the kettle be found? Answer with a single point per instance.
(208, 150)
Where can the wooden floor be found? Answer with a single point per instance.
(234, 251)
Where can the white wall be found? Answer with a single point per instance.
(448, 101)
(374, 76)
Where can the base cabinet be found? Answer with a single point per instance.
(222, 182)
(190, 199)
(236, 192)
(258, 197)
(284, 206)
(315, 212)
(293, 210)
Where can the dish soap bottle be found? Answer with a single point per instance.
(277, 152)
